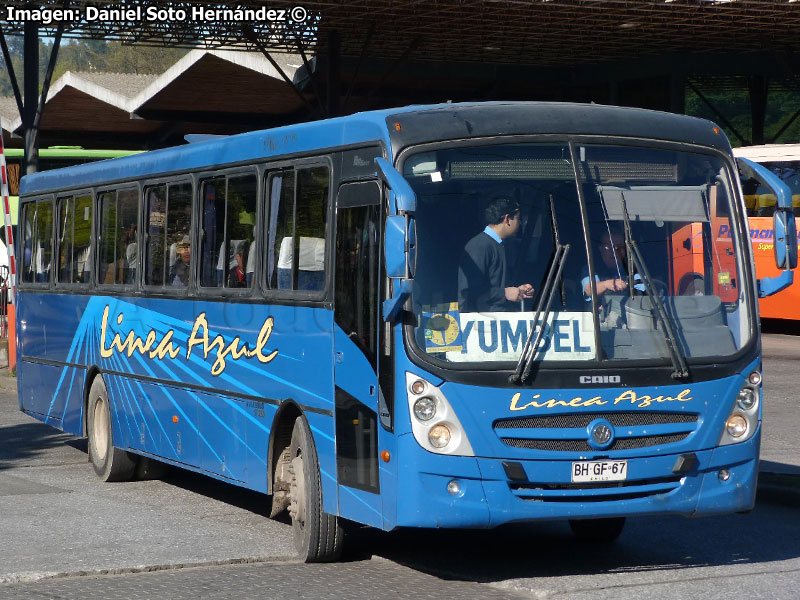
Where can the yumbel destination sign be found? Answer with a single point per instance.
(500, 336)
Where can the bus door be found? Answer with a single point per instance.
(359, 434)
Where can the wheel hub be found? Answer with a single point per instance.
(297, 491)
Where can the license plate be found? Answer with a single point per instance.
(589, 471)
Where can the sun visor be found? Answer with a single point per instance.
(656, 203)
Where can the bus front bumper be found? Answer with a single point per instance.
(469, 492)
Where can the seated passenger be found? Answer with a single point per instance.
(310, 264)
(483, 284)
(237, 277)
(179, 273)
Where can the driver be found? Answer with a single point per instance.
(609, 275)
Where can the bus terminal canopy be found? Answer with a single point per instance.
(355, 55)
(535, 32)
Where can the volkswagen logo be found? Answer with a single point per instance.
(601, 434)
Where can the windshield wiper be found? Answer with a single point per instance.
(560, 252)
(637, 262)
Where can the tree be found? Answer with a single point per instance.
(89, 55)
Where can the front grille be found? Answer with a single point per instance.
(511, 431)
(632, 443)
(582, 420)
(595, 492)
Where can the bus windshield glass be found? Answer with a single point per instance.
(652, 267)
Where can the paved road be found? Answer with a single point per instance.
(64, 534)
(780, 444)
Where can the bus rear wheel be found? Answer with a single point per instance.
(318, 536)
(110, 463)
(597, 530)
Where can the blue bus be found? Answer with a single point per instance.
(458, 315)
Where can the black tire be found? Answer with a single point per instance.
(318, 536)
(692, 286)
(110, 463)
(602, 531)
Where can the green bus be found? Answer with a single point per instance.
(53, 157)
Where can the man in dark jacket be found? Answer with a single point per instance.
(483, 284)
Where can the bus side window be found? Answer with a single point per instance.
(82, 240)
(65, 233)
(127, 225)
(156, 211)
(168, 252)
(108, 240)
(228, 214)
(43, 256)
(119, 249)
(37, 242)
(281, 226)
(179, 220)
(240, 224)
(213, 228)
(297, 222)
(74, 239)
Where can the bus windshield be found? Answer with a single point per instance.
(661, 279)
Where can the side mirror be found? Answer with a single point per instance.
(400, 246)
(784, 227)
(401, 197)
(400, 238)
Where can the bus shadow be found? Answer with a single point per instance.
(242, 498)
(549, 549)
(782, 326)
(32, 441)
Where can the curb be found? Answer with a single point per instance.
(34, 576)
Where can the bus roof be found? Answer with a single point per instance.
(396, 128)
(769, 152)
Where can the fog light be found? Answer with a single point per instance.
(417, 387)
(425, 408)
(439, 436)
(724, 475)
(755, 378)
(736, 425)
(746, 399)
(454, 488)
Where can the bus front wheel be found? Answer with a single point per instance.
(110, 463)
(317, 535)
(597, 530)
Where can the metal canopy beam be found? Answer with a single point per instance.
(534, 32)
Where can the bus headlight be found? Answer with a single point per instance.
(742, 420)
(425, 408)
(736, 425)
(746, 399)
(434, 423)
(417, 387)
(439, 435)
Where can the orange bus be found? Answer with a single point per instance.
(784, 161)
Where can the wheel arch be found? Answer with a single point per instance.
(280, 435)
(686, 280)
(91, 374)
